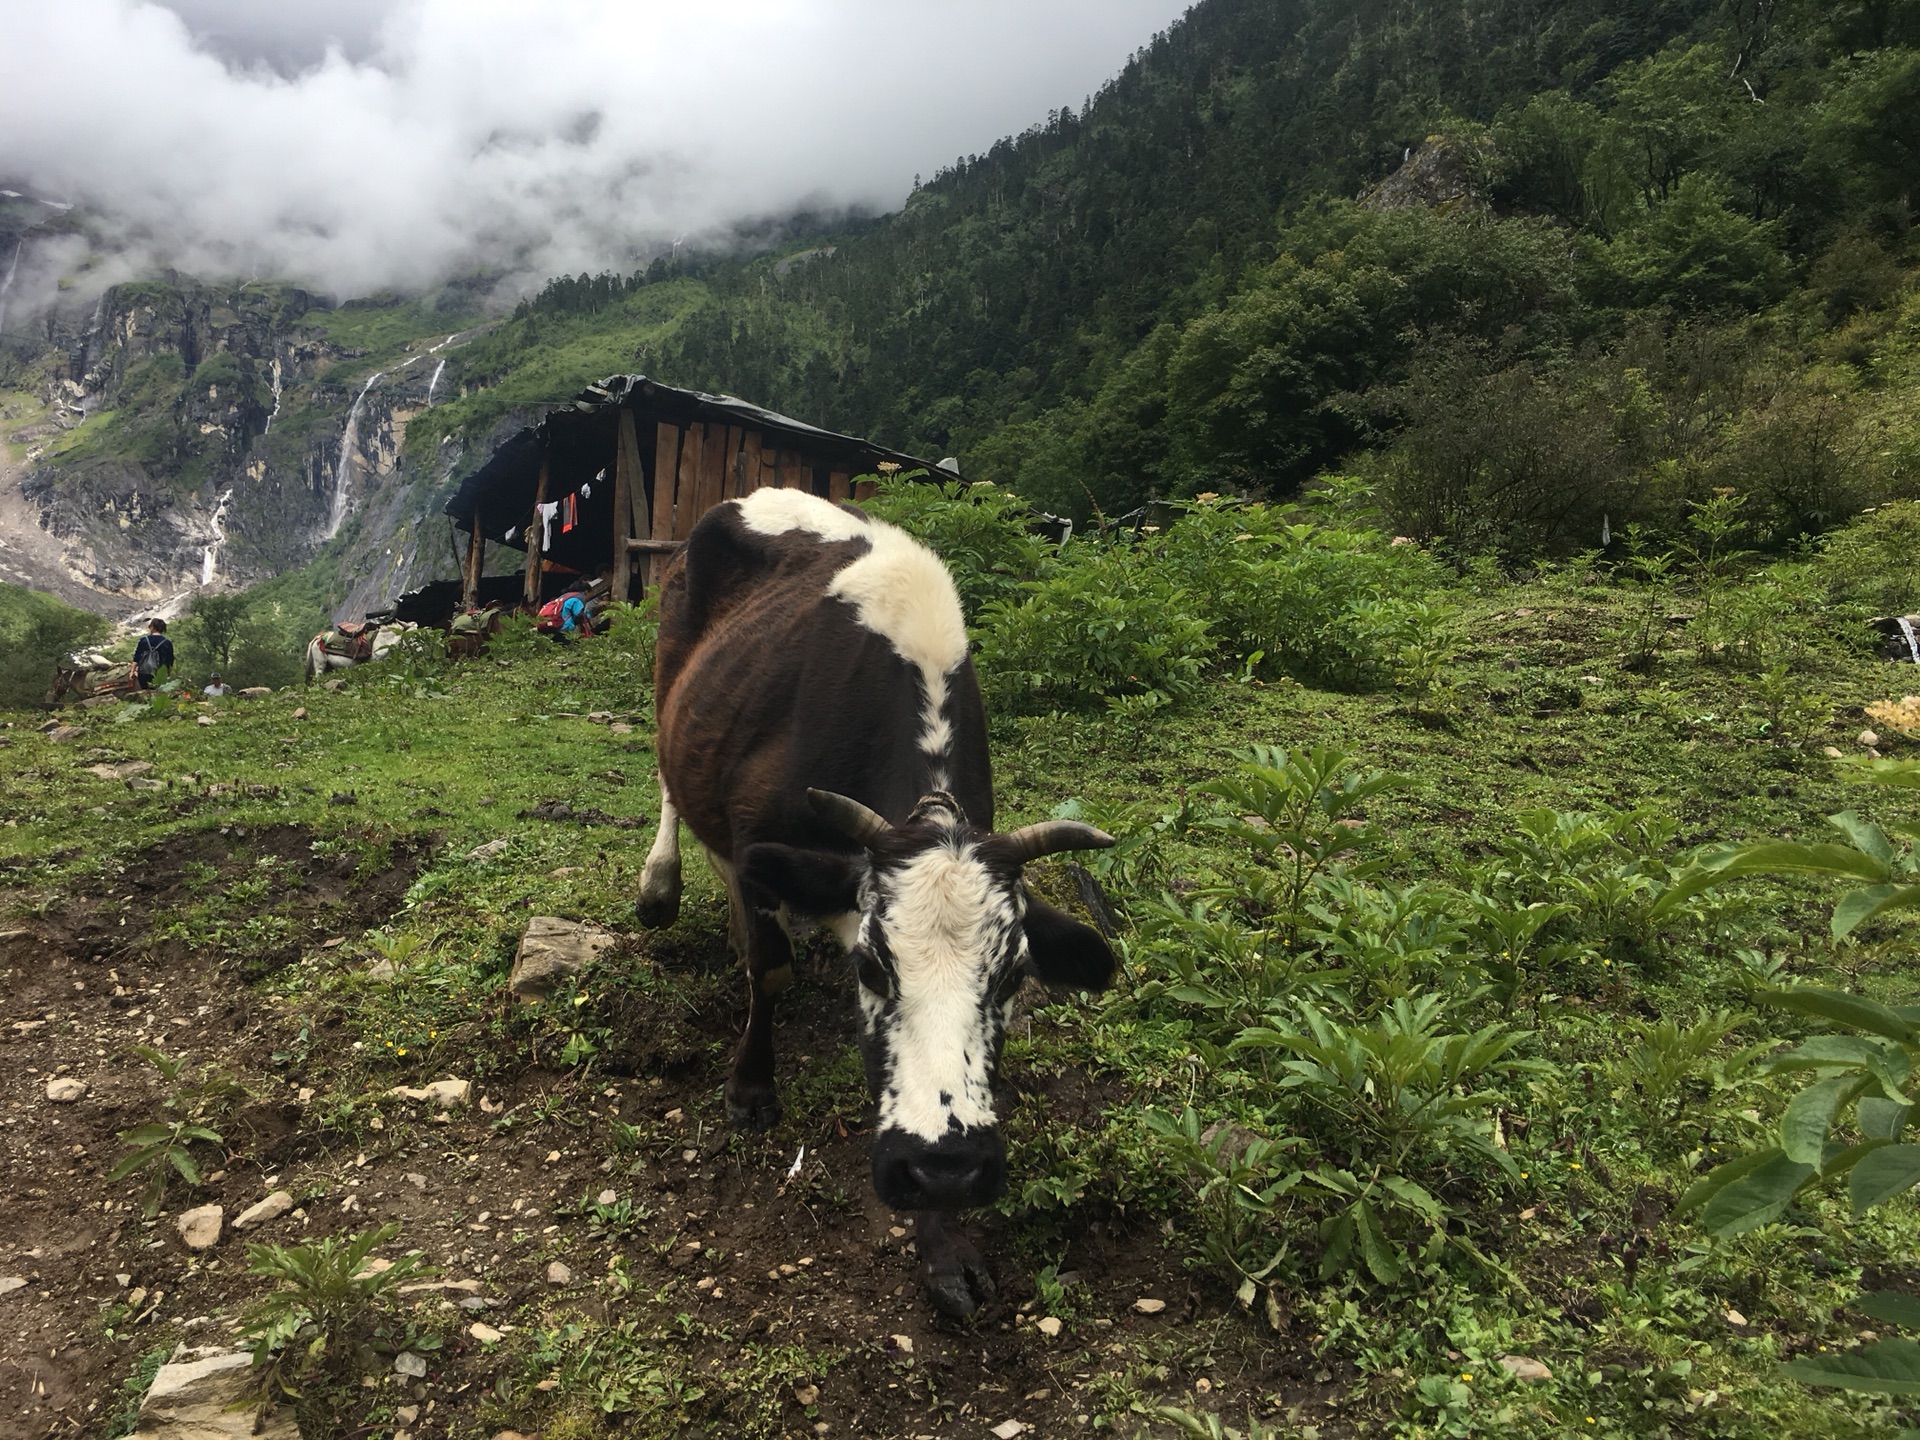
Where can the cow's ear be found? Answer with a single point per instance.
(813, 882)
(1065, 954)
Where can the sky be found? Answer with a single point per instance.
(359, 144)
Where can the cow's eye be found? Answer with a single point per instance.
(873, 974)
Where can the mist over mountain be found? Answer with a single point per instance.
(368, 144)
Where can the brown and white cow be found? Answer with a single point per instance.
(822, 735)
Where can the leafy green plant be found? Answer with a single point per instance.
(1239, 1179)
(328, 1295)
(160, 1150)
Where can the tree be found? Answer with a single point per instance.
(216, 622)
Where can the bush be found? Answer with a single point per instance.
(1315, 601)
(1108, 622)
(1874, 563)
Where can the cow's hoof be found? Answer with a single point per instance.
(657, 914)
(956, 1278)
(753, 1107)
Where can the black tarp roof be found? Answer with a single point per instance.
(580, 438)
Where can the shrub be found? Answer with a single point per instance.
(1109, 622)
(1315, 601)
(1874, 563)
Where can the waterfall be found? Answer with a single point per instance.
(1913, 643)
(6, 285)
(267, 428)
(434, 383)
(210, 554)
(349, 441)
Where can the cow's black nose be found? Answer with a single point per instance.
(948, 1181)
(958, 1172)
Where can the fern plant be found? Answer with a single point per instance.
(326, 1292)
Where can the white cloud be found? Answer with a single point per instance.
(358, 144)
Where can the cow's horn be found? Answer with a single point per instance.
(848, 816)
(1030, 842)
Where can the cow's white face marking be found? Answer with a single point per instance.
(898, 588)
(947, 929)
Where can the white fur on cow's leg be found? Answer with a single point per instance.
(952, 1269)
(659, 901)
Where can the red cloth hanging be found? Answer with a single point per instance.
(569, 513)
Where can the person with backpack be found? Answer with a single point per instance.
(153, 654)
(566, 615)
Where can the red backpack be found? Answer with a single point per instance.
(549, 620)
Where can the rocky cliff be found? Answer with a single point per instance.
(179, 435)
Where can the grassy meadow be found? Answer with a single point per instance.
(1381, 1131)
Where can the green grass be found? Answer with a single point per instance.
(1582, 1270)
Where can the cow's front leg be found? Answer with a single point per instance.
(952, 1268)
(751, 1101)
(659, 902)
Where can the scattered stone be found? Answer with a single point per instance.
(407, 1414)
(485, 1334)
(301, 713)
(902, 1343)
(1048, 1325)
(210, 1394)
(256, 692)
(203, 720)
(492, 850)
(1734, 1317)
(11, 1283)
(607, 1197)
(1520, 1367)
(271, 1208)
(1869, 738)
(807, 1394)
(619, 728)
(1148, 1306)
(515, 1434)
(125, 770)
(60, 734)
(600, 717)
(409, 1364)
(65, 1089)
(200, 1227)
(381, 970)
(1008, 1429)
(417, 1180)
(559, 1274)
(445, 1094)
(334, 685)
(551, 950)
(140, 783)
(465, 1287)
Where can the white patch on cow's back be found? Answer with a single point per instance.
(947, 922)
(775, 512)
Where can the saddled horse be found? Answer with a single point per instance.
(91, 676)
(352, 643)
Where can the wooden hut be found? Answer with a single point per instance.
(607, 485)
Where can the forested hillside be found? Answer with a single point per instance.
(1632, 253)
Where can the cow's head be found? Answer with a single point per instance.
(946, 934)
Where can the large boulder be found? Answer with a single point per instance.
(193, 1398)
(551, 950)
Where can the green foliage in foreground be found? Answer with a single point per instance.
(37, 633)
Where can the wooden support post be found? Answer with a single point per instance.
(769, 467)
(837, 485)
(692, 450)
(627, 480)
(475, 564)
(536, 559)
(666, 466)
(747, 467)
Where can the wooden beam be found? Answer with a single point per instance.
(747, 466)
(712, 489)
(686, 484)
(656, 547)
(476, 562)
(536, 559)
(626, 471)
(791, 472)
(769, 467)
(666, 465)
(837, 485)
(863, 490)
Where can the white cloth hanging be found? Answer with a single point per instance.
(586, 492)
(511, 533)
(547, 512)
